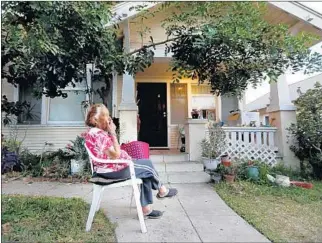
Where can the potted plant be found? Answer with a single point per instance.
(183, 139)
(79, 154)
(225, 160)
(217, 174)
(230, 173)
(195, 114)
(252, 171)
(213, 146)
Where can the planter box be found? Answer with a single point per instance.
(77, 166)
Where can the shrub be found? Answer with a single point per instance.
(307, 133)
(213, 146)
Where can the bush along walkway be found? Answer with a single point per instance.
(197, 214)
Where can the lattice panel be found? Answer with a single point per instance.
(242, 150)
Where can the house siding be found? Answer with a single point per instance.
(35, 136)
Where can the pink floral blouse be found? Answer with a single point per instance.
(98, 142)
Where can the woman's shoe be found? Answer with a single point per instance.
(154, 214)
(170, 193)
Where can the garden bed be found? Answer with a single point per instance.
(48, 219)
(281, 214)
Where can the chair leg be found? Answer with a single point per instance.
(139, 207)
(132, 195)
(97, 190)
(131, 201)
(100, 199)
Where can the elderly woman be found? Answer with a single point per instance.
(102, 142)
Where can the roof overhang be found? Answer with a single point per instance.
(126, 10)
(302, 12)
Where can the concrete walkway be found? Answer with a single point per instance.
(197, 214)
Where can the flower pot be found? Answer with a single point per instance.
(229, 178)
(226, 163)
(183, 149)
(183, 140)
(76, 166)
(215, 177)
(195, 116)
(225, 158)
(253, 172)
(210, 164)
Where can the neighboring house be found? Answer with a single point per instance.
(260, 104)
(163, 105)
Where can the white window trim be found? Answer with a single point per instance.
(46, 104)
(16, 94)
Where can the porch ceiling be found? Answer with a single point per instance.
(284, 13)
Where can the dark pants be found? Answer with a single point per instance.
(144, 170)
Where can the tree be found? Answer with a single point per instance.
(307, 133)
(47, 45)
(231, 45)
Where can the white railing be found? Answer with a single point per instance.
(251, 143)
(252, 135)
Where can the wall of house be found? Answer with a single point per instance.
(159, 72)
(229, 103)
(34, 137)
(151, 26)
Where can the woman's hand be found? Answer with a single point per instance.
(111, 128)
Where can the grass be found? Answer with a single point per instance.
(281, 214)
(48, 219)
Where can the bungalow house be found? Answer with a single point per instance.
(163, 106)
(295, 89)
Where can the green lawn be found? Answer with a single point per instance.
(281, 214)
(48, 219)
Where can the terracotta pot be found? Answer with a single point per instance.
(229, 178)
(225, 158)
(226, 163)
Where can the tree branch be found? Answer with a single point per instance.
(153, 44)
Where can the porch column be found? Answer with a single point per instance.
(281, 115)
(128, 109)
(195, 131)
(218, 109)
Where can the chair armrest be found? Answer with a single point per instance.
(111, 161)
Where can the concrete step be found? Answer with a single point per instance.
(184, 177)
(185, 166)
(169, 158)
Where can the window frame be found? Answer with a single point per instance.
(68, 89)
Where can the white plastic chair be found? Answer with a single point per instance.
(98, 190)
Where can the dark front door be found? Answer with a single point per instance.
(152, 104)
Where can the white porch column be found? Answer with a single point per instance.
(282, 114)
(218, 109)
(128, 109)
(194, 131)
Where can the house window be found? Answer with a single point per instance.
(201, 90)
(70, 109)
(179, 104)
(31, 115)
(202, 98)
(266, 120)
